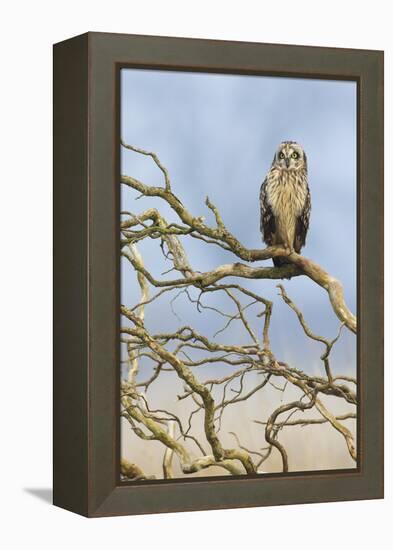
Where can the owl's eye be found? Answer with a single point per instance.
(295, 155)
(281, 155)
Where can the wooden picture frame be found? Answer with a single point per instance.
(86, 273)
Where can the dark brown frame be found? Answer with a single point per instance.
(86, 273)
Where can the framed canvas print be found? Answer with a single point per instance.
(218, 259)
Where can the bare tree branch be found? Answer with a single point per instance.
(250, 367)
(220, 234)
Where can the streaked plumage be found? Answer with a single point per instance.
(285, 201)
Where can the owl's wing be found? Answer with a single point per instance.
(268, 222)
(303, 223)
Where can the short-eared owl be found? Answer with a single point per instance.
(285, 200)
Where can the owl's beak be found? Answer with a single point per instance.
(287, 163)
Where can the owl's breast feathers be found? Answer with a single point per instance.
(285, 208)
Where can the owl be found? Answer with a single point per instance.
(285, 200)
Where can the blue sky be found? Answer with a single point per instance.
(217, 134)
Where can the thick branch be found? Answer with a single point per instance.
(222, 236)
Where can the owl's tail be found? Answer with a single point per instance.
(279, 261)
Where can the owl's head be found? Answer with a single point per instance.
(290, 156)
